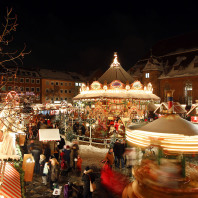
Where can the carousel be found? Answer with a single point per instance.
(115, 97)
(168, 163)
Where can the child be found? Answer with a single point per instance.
(45, 173)
(79, 165)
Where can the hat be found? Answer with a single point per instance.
(87, 168)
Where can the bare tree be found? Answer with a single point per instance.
(9, 59)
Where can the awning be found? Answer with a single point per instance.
(49, 135)
(11, 187)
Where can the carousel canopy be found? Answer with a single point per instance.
(116, 90)
(171, 132)
(171, 124)
(116, 72)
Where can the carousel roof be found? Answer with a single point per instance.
(116, 94)
(115, 72)
(171, 124)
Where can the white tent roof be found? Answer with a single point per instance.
(171, 124)
(49, 135)
(122, 94)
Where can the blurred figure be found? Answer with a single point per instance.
(79, 165)
(83, 130)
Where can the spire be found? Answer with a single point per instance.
(115, 61)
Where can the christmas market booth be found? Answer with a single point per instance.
(166, 153)
(10, 155)
(114, 96)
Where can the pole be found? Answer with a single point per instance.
(90, 134)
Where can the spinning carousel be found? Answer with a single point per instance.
(169, 165)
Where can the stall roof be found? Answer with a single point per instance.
(49, 135)
(11, 186)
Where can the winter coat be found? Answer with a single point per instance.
(66, 155)
(75, 149)
(118, 149)
(36, 154)
(109, 158)
(46, 168)
(87, 175)
(79, 164)
(54, 170)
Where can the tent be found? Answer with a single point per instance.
(49, 135)
(11, 187)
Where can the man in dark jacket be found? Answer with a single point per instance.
(118, 153)
(86, 178)
(36, 154)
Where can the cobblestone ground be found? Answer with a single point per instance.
(37, 189)
(91, 157)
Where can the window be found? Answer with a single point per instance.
(47, 82)
(69, 84)
(47, 90)
(65, 99)
(38, 89)
(3, 88)
(27, 89)
(10, 79)
(188, 93)
(9, 88)
(27, 80)
(57, 98)
(76, 84)
(52, 83)
(61, 83)
(52, 99)
(22, 89)
(65, 84)
(21, 80)
(47, 98)
(16, 79)
(80, 84)
(61, 91)
(69, 91)
(57, 83)
(61, 98)
(65, 90)
(147, 75)
(33, 81)
(37, 81)
(32, 89)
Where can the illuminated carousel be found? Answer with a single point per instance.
(168, 166)
(115, 95)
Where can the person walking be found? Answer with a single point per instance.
(54, 172)
(36, 154)
(109, 158)
(66, 155)
(75, 149)
(86, 178)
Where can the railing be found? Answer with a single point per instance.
(97, 141)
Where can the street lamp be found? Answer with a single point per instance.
(90, 123)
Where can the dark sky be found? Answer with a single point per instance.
(83, 35)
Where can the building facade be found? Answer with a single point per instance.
(27, 83)
(174, 66)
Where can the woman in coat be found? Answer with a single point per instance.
(110, 157)
(54, 172)
(87, 176)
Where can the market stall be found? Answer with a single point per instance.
(49, 136)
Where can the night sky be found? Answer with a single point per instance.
(83, 35)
